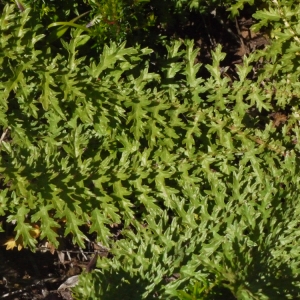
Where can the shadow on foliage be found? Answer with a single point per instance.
(259, 272)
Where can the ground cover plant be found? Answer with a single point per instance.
(193, 160)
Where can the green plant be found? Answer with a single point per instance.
(194, 291)
(199, 291)
(107, 20)
(196, 172)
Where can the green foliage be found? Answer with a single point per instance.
(60, 31)
(197, 173)
(103, 20)
(199, 291)
(149, 23)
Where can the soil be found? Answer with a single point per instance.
(25, 275)
(28, 275)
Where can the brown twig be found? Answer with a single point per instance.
(244, 48)
(3, 135)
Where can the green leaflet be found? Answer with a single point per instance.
(60, 31)
(48, 225)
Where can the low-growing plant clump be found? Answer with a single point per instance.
(194, 159)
